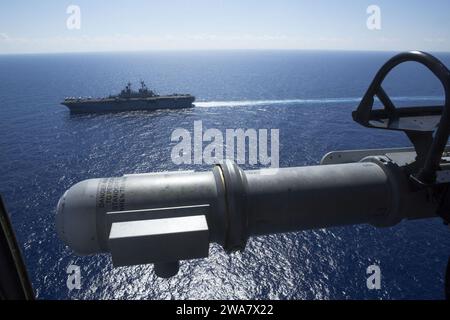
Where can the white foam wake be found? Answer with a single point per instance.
(250, 103)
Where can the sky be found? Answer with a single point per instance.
(136, 25)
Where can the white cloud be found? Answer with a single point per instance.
(129, 42)
(4, 37)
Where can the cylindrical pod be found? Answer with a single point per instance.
(317, 197)
(245, 203)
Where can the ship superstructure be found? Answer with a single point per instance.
(128, 99)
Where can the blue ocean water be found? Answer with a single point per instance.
(307, 95)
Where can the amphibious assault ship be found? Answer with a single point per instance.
(128, 99)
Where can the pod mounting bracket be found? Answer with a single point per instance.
(419, 123)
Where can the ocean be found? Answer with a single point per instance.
(307, 95)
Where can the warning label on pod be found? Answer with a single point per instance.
(111, 194)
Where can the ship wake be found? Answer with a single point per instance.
(251, 103)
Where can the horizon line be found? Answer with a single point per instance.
(213, 50)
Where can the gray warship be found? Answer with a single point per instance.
(129, 100)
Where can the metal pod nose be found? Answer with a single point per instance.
(76, 219)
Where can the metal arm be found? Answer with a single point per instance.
(418, 123)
